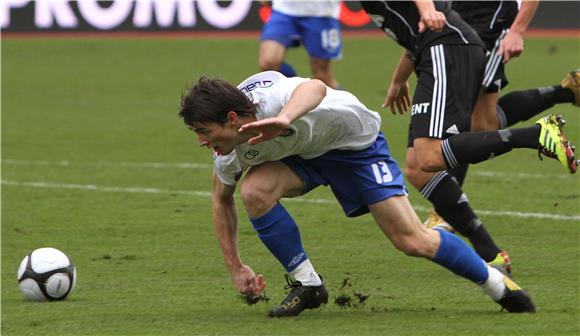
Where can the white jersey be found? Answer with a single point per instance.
(317, 8)
(341, 122)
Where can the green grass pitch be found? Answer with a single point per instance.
(95, 162)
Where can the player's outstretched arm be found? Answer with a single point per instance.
(398, 92)
(305, 97)
(512, 44)
(225, 220)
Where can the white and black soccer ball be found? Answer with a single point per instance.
(46, 274)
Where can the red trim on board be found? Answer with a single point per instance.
(225, 34)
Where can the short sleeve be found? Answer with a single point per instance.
(270, 90)
(228, 168)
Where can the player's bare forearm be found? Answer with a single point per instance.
(225, 220)
(306, 97)
(403, 70)
(397, 99)
(512, 44)
(525, 16)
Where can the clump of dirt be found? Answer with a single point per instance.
(346, 300)
(252, 299)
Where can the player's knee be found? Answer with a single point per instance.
(268, 64)
(430, 164)
(428, 155)
(413, 175)
(257, 200)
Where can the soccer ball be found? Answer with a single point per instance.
(46, 274)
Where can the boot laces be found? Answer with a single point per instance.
(291, 283)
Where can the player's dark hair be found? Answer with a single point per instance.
(210, 100)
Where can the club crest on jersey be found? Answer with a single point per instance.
(251, 154)
(287, 132)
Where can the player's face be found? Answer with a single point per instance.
(222, 138)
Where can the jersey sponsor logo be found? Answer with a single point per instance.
(287, 132)
(420, 108)
(255, 85)
(453, 129)
(251, 154)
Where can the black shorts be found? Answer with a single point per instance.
(494, 78)
(448, 82)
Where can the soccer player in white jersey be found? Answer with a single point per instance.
(292, 135)
(314, 24)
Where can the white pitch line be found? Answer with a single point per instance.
(189, 165)
(141, 190)
(67, 163)
(93, 187)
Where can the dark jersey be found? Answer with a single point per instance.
(400, 20)
(488, 18)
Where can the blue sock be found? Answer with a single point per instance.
(460, 259)
(287, 70)
(279, 233)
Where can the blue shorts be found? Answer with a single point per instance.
(320, 35)
(357, 178)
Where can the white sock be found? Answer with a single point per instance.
(494, 286)
(306, 274)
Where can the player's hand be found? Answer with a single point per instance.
(398, 96)
(434, 20)
(267, 129)
(511, 46)
(246, 282)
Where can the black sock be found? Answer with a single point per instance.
(527, 137)
(459, 173)
(451, 203)
(475, 147)
(522, 105)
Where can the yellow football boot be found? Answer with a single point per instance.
(553, 143)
